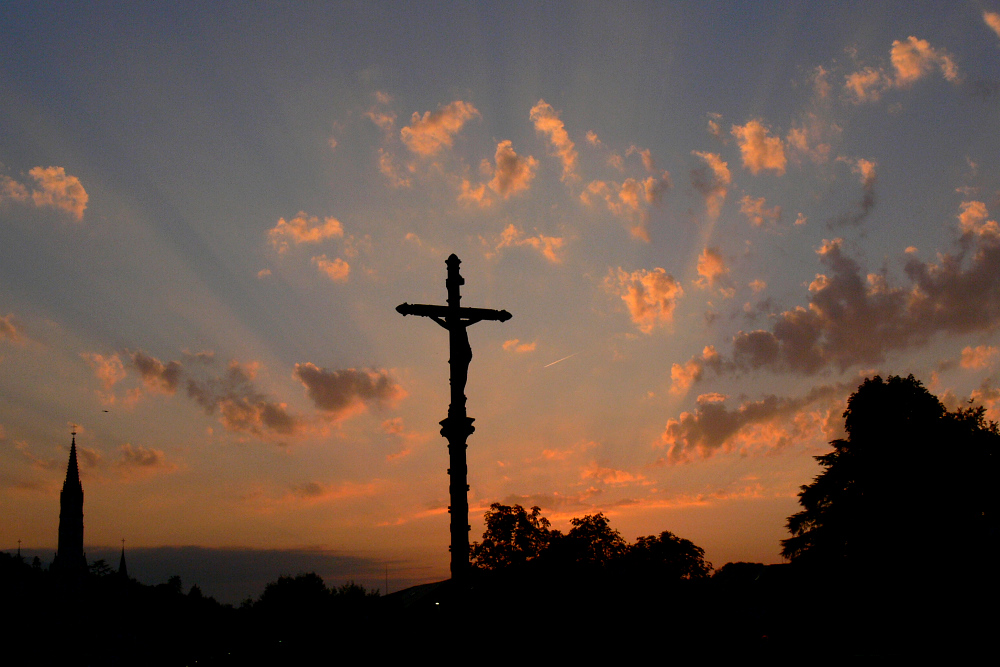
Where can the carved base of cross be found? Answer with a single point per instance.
(457, 427)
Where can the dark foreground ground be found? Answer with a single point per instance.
(757, 614)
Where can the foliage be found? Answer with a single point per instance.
(591, 541)
(906, 468)
(670, 556)
(512, 536)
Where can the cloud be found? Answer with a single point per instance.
(141, 459)
(684, 376)
(912, 60)
(714, 128)
(758, 286)
(811, 137)
(342, 392)
(12, 190)
(426, 135)
(978, 357)
(759, 149)
(515, 345)
(866, 170)
(512, 173)
(303, 228)
(241, 407)
(757, 212)
(57, 189)
(596, 471)
(511, 236)
(628, 200)
(387, 165)
(712, 181)
(712, 426)
(155, 374)
(475, 195)
(592, 138)
(972, 219)
(992, 19)
(383, 119)
(108, 369)
(547, 122)
(335, 269)
(712, 268)
(915, 58)
(854, 319)
(264, 273)
(866, 85)
(651, 296)
(318, 492)
(9, 330)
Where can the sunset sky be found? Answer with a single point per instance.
(710, 222)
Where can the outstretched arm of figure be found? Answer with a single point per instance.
(470, 321)
(439, 321)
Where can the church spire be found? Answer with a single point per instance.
(69, 556)
(122, 568)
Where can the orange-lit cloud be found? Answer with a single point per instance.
(972, 219)
(511, 236)
(650, 296)
(684, 376)
(711, 267)
(340, 393)
(512, 173)
(978, 357)
(592, 138)
(53, 187)
(240, 405)
(811, 137)
(303, 228)
(318, 492)
(713, 426)
(757, 212)
(628, 200)
(515, 345)
(108, 369)
(11, 190)
(611, 476)
(335, 269)
(760, 150)
(912, 60)
(712, 182)
(426, 135)
(992, 19)
(387, 165)
(758, 286)
(547, 122)
(9, 330)
(714, 127)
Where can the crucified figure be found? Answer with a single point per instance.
(457, 427)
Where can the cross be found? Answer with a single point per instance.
(457, 427)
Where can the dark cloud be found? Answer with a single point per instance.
(712, 425)
(155, 374)
(336, 391)
(140, 457)
(855, 319)
(241, 407)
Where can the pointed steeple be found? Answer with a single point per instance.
(69, 556)
(122, 568)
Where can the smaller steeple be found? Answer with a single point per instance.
(122, 568)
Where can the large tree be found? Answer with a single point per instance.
(911, 487)
(513, 536)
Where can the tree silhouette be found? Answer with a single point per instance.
(907, 470)
(512, 536)
(669, 556)
(591, 542)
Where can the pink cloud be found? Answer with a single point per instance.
(426, 135)
(513, 173)
(55, 188)
(303, 228)
(977, 358)
(712, 182)
(992, 19)
(650, 296)
(511, 236)
(335, 269)
(547, 122)
(760, 150)
(757, 212)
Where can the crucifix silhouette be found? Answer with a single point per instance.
(457, 427)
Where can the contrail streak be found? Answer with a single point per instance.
(558, 360)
